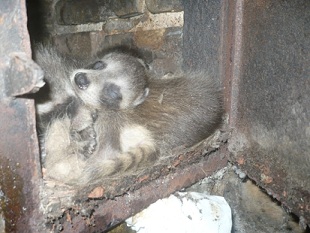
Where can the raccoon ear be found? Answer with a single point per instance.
(140, 99)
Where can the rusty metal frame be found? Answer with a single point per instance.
(109, 213)
(20, 171)
(261, 165)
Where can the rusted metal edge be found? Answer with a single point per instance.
(276, 186)
(23, 75)
(20, 171)
(112, 212)
(235, 54)
(136, 193)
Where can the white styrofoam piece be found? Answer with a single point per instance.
(184, 212)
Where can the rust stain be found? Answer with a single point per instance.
(143, 178)
(11, 194)
(176, 163)
(96, 193)
(19, 166)
(241, 160)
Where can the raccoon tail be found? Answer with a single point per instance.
(138, 148)
(128, 161)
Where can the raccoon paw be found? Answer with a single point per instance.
(85, 140)
(89, 149)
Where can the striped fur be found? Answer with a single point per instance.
(139, 118)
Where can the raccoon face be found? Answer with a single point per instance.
(117, 81)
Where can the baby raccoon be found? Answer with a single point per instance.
(120, 91)
(57, 100)
(140, 119)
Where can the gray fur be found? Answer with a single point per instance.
(139, 119)
(177, 112)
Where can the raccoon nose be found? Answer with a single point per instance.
(81, 81)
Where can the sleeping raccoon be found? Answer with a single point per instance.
(63, 162)
(139, 119)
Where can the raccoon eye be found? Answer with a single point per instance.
(99, 65)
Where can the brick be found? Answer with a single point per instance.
(167, 59)
(128, 8)
(117, 40)
(78, 45)
(161, 49)
(119, 25)
(159, 6)
(71, 12)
